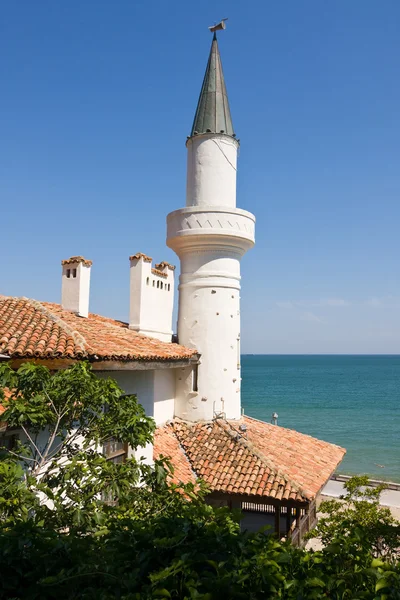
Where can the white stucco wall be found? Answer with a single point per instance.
(209, 320)
(151, 300)
(155, 390)
(75, 290)
(140, 383)
(164, 395)
(211, 170)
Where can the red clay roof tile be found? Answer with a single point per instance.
(166, 444)
(77, 260)
(31, 329)
(159, 273)
(141, 255)
(258, 462)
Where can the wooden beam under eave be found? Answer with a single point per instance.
(141, 365)
(278, 521)
(55, 364)
(288, 519)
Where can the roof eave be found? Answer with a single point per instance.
(102, 364)
(107, 364)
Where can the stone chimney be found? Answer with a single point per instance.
(76, 285)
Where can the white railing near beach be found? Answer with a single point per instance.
(389, 485)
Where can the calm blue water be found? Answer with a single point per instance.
(353, 401)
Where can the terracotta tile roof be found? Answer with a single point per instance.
(305, 459)
(31, 329)
(7, 395)
(265, 461)
(141, 255)
(166, 444)
(159, 273)
(77, 259)
(164, 264)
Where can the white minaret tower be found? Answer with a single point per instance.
(210, 236)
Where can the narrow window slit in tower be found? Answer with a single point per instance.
(148, 281)
(161, 285)
(195, 378)
(74, 273)
(158, 284)
(68, 273)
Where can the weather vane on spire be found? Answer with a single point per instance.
(218, 26)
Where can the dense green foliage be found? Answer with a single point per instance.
(58, 539)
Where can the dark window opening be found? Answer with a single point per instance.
(74, 273)
(114, 451)
(8, 442)
(68, 273)
(117, 453)
(195, 380)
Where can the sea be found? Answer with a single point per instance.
(352, 401)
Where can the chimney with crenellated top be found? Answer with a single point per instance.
(76, 285)
(151, 297)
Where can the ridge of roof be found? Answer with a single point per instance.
(76, 336)
(182, 449)
(28, 329)
(167, 443)
(268, 463)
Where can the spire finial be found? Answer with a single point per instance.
(212, 113)
(217, 26)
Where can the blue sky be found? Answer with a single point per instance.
(98, 98)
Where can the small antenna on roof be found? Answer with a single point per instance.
(218, 26)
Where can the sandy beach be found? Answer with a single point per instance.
(389, 498)
(395, 510)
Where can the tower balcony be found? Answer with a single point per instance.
(198, 227)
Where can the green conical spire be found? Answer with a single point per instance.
(212, 113)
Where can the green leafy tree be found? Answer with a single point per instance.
(64, 419)
(359, 517)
